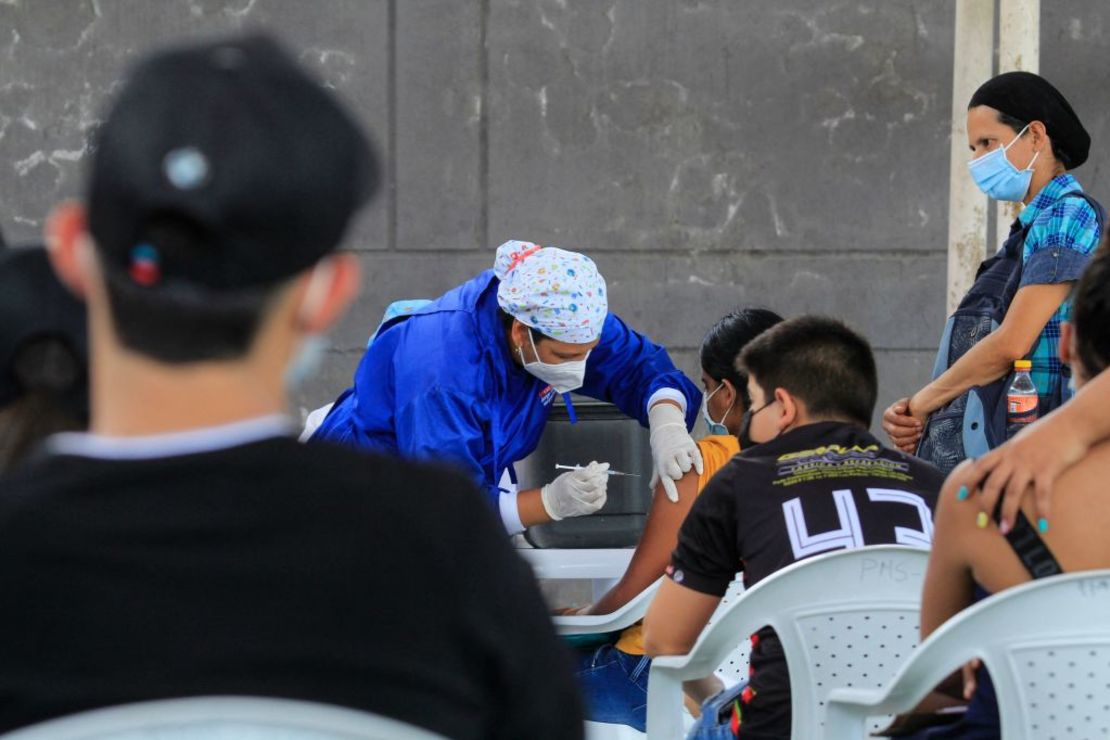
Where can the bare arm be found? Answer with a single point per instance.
(675, 618)
(994, 355)
(949, 585)
(653, 552)
(530, 508)
(1038, 455)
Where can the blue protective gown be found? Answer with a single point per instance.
(440, 384)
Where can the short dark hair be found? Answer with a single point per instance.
(722, 344)
(1017, 125)
(819, 360)
(53, 398)
(180, 322)
(1091, 312)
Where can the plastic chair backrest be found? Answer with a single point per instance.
(847, 618)
(626, 616)
(223, 717)
(1046, 645)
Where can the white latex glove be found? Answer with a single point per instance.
(576, 493)
(673, 450)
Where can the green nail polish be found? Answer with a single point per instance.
(1042, 525)
(981, 520)
(962, 493)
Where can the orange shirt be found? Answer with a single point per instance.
(716, 450)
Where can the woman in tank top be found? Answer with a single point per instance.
(974, 557)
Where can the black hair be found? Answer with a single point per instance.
(507, 324)
(1091, 312)
(1017, 125)
(722, 344)
(178, 323)
(53, 398)
(819, 360)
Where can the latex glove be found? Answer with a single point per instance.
(673, 450)
(577, 492)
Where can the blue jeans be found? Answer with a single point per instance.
(614, 686)
(711, 726)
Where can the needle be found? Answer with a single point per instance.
(579, 467)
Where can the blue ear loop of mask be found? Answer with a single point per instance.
(997, 176)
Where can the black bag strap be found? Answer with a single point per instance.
(1030, 548)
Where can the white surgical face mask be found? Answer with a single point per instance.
(564, 377)
(715, 427)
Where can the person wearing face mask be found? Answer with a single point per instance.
(470, 378)
(613, 676)
(814, 480)
(1025, 138)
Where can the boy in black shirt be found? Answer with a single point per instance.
(810, 479)
(189, 545)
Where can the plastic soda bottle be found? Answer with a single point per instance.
(1021, 399)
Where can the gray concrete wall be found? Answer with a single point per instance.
(707, 153)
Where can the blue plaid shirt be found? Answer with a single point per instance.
(1063, 235)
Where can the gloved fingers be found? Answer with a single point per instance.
(684, 460)
(669, 468)
(670, 489)
(654, 479)
(699, 464)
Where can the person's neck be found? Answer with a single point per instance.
(133, 396)
(805, 420)
(1039, 181)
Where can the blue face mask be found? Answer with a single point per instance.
(996, 175)
(714, 427)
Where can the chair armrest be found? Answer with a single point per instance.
(626, 616)
(558, 564)
(847, 710)
(593, 623)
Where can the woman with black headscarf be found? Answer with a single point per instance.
(1024, 138)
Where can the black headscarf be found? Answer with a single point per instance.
(1029, 97)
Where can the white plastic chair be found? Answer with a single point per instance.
(622, 618)
(848, 618)
(1046, 644)
(223, 718)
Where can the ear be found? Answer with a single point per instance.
(325, 292)
(69, 246)
(1040, 136)
(1066, 347)
(790, 411)
(729, 393)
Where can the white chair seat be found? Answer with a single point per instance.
(847, 618)
(1046, 645)
(223, 718)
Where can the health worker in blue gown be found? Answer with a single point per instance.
(470, 379)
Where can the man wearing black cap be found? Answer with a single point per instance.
(189, 545)
(1024, 139)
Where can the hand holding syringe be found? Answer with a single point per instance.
(579, 467)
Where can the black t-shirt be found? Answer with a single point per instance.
(277, 569)
(821, 487)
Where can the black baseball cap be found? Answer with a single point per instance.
(34, 305)
(234, 139)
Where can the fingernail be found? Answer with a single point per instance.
(1042, 525)
(962, 493)
(981, 520)
(1004, 527)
